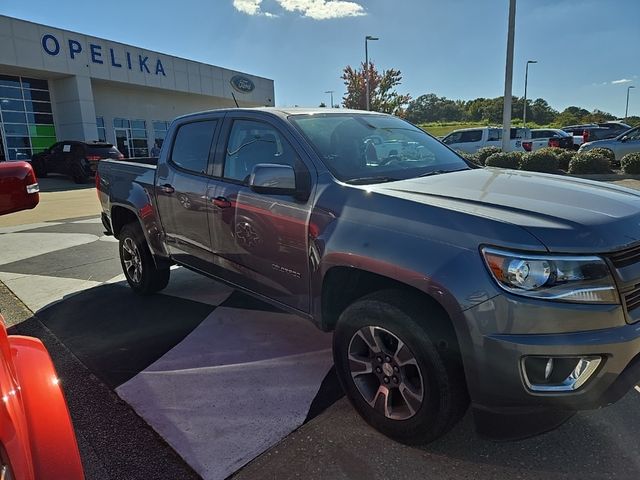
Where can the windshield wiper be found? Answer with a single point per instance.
(372, 179)
(438, 172)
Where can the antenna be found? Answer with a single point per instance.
(234, 99)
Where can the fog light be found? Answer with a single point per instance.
(558, 374)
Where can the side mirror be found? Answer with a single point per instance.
(273, 179)
(18, 187)
(624, 139)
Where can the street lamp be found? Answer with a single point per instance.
(366, 63)
(526, 80)
(331, 92)
(626, 112)
(508, 79)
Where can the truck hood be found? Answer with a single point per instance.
(566, 214)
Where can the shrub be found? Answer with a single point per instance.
(564, 158)
(543, 160)
(604, 152)
(589, 162)
(504, 160)
(484, 153)
(468, 156)
(631, 163)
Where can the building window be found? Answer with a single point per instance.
(160, 128)
(26, 119)
(131, 137)
(102, 131)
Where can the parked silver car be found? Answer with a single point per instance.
(628, 142)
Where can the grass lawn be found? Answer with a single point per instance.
(441, 129)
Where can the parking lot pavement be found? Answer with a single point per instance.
(598, 445)
(60, 198)
(219, 376)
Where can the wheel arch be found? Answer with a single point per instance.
(122, 215)
(344, 285)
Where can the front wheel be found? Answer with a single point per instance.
(400, 369)
(39, 168)
(140, 270)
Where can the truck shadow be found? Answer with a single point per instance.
(61, 183)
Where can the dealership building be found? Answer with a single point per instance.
(59, 85)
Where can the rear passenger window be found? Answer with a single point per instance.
(192, 146)
(471, 136)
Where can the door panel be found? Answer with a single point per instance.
(260, 241)
(181, 192)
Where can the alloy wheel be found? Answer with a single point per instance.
(386, 373)
(132, 260)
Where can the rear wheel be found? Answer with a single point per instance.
(400, 369)
(78, 174)
(140, 270)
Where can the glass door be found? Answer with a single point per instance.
(122, 141)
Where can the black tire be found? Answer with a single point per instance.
(426, 332)
(39, 168)
(78, 174)
(149, 278)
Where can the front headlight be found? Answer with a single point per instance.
(562, 278)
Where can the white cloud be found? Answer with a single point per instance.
(323, 9)
(315, 9)
(622, 80)
(250, 7)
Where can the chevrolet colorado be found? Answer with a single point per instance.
(444, 283)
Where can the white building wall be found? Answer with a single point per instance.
(91, 77)
(134, 103)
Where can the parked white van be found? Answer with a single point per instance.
(470, 140)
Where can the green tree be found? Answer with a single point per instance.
(431, 108)
(382, 94)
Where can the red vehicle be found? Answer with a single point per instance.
(37, 440)
(18, 187)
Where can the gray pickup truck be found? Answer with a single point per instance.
(444, 283)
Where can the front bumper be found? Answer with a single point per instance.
(493, 362)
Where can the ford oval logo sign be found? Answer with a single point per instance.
(242, 84)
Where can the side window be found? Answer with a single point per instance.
(192, 146)
(253, 142)
(452, 138)
(634, 134)
(495, 135)
(471, 136)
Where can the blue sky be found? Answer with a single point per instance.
(454, 48)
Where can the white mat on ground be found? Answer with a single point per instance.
(237, 385)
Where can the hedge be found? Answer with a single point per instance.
(589, 162)
(543, 160)
(504, 160)
(631, 163)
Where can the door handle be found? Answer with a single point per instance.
(167, 188)
(221, 202)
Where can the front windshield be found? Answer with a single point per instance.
(366, 148)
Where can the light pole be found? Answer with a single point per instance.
(626, 111)
(526, 81)
(367, 70)
(508, 79)
(331, 92)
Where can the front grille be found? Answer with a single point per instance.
(625, 258)
(632, 298)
